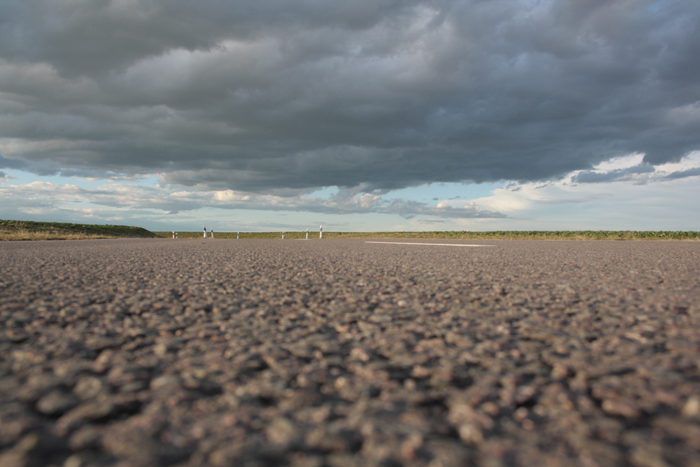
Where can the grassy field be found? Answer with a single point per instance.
(457, 235)
(27, 230)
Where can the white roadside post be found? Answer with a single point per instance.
(205, 231)
(283, 235)
(238, 235)
(307, 234)
(212, 233)
(320, 233)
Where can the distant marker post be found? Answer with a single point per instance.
(320, 232)
(307, 234)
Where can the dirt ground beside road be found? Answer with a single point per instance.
(346, 353)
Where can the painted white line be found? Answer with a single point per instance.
(433, 244)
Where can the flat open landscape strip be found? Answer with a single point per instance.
(344, 353)
(432, 244)
(462, 235)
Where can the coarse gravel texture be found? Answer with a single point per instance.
(343, 353)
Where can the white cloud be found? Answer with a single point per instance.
(691, 161)
(166, 199)
(668, 198)
(230, 195)
(621, 162)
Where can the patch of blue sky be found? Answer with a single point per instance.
(656, 6)
(150, 180)
(428, 193)
(323, 193)
(19, 177)
(435, 192)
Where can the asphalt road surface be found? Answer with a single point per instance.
(345, 353)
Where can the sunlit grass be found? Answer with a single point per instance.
(55, 235)
(28, 230)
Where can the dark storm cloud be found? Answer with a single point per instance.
(285, 96)
(683, 174)
(12, 164)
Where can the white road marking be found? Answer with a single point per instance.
(433, 244)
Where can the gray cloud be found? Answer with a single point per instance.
(12, 164)
(284, 96)
(613, 175)
(641, 174)
(683, 174)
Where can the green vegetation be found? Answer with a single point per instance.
(27, 230)
(463, 235)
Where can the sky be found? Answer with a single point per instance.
(370, 115)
